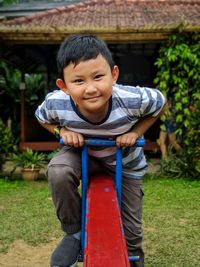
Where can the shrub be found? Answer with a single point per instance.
(178, 65)
(7, 142)
(179, 166)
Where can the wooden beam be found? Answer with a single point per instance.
(22, 110)
(151, 146)
(54, 38)
(40, 146)
(48, 36)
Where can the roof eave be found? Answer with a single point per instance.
(57, 35)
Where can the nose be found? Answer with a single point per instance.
(90, 88)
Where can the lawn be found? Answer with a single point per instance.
(172, 222)
(171, 219)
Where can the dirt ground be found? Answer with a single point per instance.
(22, 255)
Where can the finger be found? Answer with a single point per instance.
(122, 142)
(126, 141)
(65, 140)
(129, 141)
(75, 140)
(69, 140)
(118, 141)
(133, 140)
(80, 140)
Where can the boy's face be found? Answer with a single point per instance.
(89, 83)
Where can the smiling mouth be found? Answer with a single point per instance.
(92, 98)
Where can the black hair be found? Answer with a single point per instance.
(81, 48)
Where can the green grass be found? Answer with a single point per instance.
(171, 219)
(172, 222)
(27, 213)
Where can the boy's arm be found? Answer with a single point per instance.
(69, 138)
(129, 139)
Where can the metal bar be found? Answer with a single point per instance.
(102, 142)
(84, 192)
(99, 142)
(118, 174)
(140, 142)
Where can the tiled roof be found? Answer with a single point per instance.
(29, 7)
(108, 17)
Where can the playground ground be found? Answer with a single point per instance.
(171, 222)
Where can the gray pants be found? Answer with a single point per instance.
(64, 174)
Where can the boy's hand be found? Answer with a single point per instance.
(127, 139)
(71, 138)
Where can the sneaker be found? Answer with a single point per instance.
(67, 252)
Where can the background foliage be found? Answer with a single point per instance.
(178, 65)
(29, 159)
(7, 142)
(7, 2)
(10, 79)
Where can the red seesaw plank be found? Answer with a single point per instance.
(105, 241)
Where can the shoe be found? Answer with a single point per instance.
(67, 252)
(137, 262)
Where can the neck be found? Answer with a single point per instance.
(95, 117)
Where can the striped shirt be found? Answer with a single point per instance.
(127, 105)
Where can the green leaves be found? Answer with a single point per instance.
(29, 159)
(178, 66)
(6, 142)
(7, 2)
(10, 79)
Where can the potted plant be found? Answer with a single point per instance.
(31, 162)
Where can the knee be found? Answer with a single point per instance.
(162, 142)
(134, 238)
(173, 142)
(62, 175)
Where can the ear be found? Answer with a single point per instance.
(61, 85)
(115, 74)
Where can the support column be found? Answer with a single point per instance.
(22, 88)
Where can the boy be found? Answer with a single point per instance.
(90, 103)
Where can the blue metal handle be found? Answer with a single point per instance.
(102, 142)
(140, 142)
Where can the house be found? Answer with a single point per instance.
(133, 29)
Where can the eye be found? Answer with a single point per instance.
(78, 81)
(98, 77)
